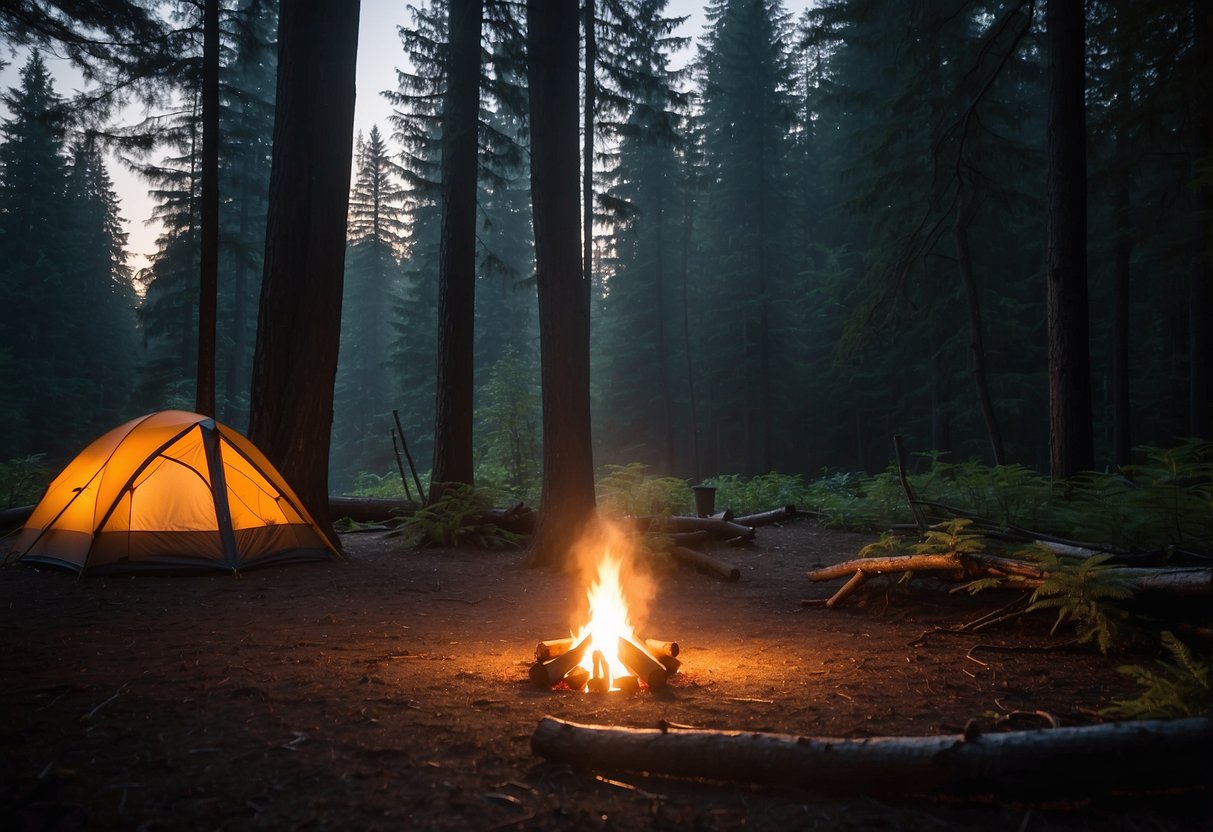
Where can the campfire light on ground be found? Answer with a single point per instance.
(605, 654)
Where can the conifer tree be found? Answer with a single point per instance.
(362, 418)
(747, 115)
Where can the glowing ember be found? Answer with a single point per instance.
(608, 621)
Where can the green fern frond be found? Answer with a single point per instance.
(888, 545)
(981, 584)
(1181, 689)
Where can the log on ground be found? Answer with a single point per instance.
(764, 518)
(1075, 761)
(705, 563)
(1183, 581)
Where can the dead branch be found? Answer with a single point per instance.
(1075, 761)
(764, 518)
(717, 528)
(1183, 581)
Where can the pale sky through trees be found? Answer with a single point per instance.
(379, 53)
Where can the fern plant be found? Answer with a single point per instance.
(1085, 593)
(453, 520)
(629, 490)
(950, 538)
(1183, 688)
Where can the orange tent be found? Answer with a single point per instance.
(169, 491)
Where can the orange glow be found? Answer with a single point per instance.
(608, 619)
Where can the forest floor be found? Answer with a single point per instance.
(391, 692)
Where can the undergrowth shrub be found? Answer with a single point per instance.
(1182, 688)
(749, 495)
(454, 519)
(23, 479)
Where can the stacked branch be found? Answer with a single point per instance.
(558, 660)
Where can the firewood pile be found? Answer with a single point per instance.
(558, 661)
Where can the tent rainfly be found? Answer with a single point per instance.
(170, 491)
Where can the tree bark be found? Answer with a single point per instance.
(567, 505)
(1199, 418)
(299, 320)
(457, 265)
(208, 283)
(965, 212)
(1071, 447)
(1073, 761)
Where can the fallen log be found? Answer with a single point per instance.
(368, 509)
(1182, 581)
(1074, 761)
(765, 518)
(705, 563)
(679, 523)
(689, 538)
(519, 519)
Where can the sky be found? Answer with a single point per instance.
(379, 53)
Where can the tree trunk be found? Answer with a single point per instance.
(1072, 761)
(687, 221)
(567, 504)
(1070, 437)
(977, 347)
(659, 337)
(587, 139)
(457, 266)
(1122, 443)
(235, 382)
(208, 283)
(1199, 423)
(299, 320)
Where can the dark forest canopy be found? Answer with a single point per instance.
(825, 228)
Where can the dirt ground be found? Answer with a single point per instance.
(391, 692)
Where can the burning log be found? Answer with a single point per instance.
(577, 679)
(764, 518)
(665, 652)
(705, 563)
(642, 664)
(600, 681)
(546, 674)
(552, 648)
(1078, 761)
(658, 648)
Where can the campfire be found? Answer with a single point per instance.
(604, 654)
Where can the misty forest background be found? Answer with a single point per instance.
(823, 230)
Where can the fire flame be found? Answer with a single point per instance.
(608, 619)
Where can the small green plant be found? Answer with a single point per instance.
(950, 538)
(889, 545)
(629, 490)
(510, 454)
(454, 519)
(1183, 688)
(1084, 592)
(766, 491)
(387, 486)
(23, 479)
